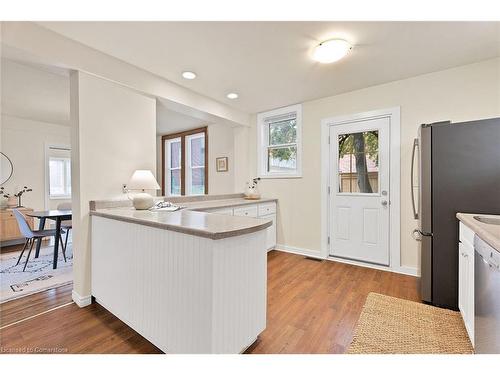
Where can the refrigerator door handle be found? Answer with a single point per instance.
(413, 153)
(416, 235)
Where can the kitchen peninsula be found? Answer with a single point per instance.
(190, 281)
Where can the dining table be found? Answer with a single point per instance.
(56, 215)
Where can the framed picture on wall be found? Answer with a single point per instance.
(221, 164)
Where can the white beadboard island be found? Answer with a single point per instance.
(188, 281)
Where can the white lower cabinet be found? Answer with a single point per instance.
(261, 211)
(249, 211)
(271, 232)
(466, 279)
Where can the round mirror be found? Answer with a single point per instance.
(6, 168)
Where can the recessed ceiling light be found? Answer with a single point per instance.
(232, 95)
(331, 50)
(189, 75)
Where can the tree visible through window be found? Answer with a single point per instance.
(282, 151)
(358, 162)
(279, 138)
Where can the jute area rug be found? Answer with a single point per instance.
(389, 325)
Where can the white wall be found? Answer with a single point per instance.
(459, 94)
(113, 132)
(220, 144)
(24, 142)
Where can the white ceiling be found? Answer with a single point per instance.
(168, 121)
(269, 64)
(34, 92)
(41, 93)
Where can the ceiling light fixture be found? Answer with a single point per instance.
(189, 75)
(232, 95)
(331, 50)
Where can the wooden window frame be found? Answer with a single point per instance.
(182, 136)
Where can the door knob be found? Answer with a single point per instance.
(384, 203)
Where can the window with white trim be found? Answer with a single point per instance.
(59, 177)
(195, 164)
(279, 142)
(173, 168)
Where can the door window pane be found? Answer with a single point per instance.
(358, 162)
(282, 159)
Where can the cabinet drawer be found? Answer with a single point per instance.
(267, 208)
(466, 235)
(250, 211)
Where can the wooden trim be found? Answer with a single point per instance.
(206, 160)
(182, 135)
(183, 165)
(162, 172)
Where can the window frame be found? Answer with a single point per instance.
(345, 193)
(168, 167)
(189, 166)
(66, 174)
(183, 135)
(263, 144)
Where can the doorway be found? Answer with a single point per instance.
(361, 204)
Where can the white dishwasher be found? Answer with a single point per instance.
(486, 298)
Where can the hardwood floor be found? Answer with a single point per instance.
(313, 307)
(18, 247)
(10, 248)
(21, 308)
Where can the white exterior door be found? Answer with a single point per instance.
(359, 205)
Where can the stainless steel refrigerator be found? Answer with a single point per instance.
(458, 171)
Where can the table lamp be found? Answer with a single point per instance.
(143, 180)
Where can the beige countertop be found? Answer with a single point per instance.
(490, 233)
(190, 220)
(222, 203)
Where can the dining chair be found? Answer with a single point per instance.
(32, 235)
(67, 225)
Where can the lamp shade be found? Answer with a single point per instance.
(143, 179)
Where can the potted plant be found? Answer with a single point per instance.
(6, 197)
(252, 191)
(19, 195)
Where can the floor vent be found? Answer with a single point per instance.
(315, 259)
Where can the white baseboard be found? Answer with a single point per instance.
(411, 271)
(79, 300)
(299, 251)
